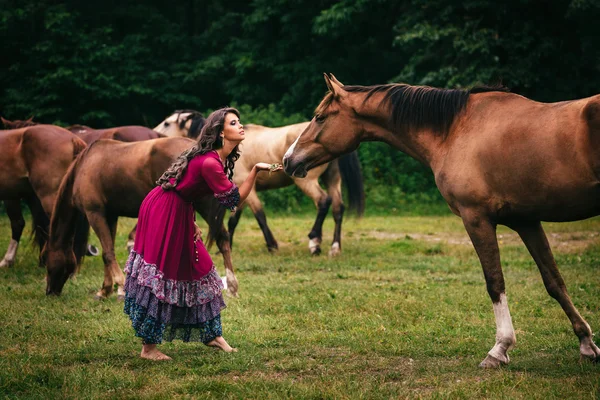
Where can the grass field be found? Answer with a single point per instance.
(402, 313)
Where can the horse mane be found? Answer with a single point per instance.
(418, 107)
(197, 122)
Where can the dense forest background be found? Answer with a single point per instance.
(109, 63)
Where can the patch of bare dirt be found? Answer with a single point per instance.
(564, 242)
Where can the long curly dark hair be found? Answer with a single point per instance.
(209, 139)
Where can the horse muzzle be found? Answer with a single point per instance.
(294, 169)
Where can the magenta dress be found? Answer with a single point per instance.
(173, 290)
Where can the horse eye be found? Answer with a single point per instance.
(166, 124)
(320, 118)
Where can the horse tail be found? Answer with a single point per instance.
(68, 225)
(78, 145)
(353, 180)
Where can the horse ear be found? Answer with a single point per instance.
(30, 119)
(328, 82)
(4, 121)
(335, 86)
(334, 79)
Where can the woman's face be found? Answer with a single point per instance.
(233, 130)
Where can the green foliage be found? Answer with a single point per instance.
(120, 63)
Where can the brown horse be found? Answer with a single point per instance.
(110, 179)
(263, 144)
(33, 161)
(498, 158)
(132, 133)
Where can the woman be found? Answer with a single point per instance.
(172, 289)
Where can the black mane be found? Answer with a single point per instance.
(197, 122)
(421, 107)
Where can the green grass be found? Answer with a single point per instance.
(403, 313)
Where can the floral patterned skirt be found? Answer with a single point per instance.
(162, 309)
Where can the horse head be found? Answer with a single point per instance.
(16, 124)
(187, 123)
(334, 130)
(60, 266)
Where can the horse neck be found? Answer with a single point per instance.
(424, 145)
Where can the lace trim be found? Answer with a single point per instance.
(230, 198)
(179, 293)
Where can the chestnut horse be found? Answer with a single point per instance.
(132, 133)
(33, 161)
(497, 157)
(263, 144)
(111, 179)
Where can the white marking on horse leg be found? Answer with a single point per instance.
(505, 333)
(130, 244)
(11, 253)
(231, 284)
(588, 348)
(335, 249)
(314, 245)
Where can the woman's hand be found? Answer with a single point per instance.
(197, 233)
(268, 167)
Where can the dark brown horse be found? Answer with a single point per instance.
(33, 161)
(498, 158)
(264, 144)
(110, 179)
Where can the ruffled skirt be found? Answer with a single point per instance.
(166, 309)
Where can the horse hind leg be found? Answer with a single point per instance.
(483, 235)
(322, 201)
(105, 228)
(537, 243)
(257, 209)
(234, 219)
(131, 239)
(334, 190)
(17, 224)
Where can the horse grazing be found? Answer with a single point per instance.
(263, 144)
(497, 157)
(111, 179)
(33, 161)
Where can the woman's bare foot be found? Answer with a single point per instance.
(220, 343)
(150, 352)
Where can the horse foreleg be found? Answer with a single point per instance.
(537, 243)
(105, 228)
(234, 219)
(225, 249)
(131, 239)
(257, 209)
(483, 235)
(17, 224)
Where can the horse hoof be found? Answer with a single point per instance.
(121, 297)
(99, 297)
(4, 264)
(315, 251)
(491, 363)
(232, 293)
(273, 249)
